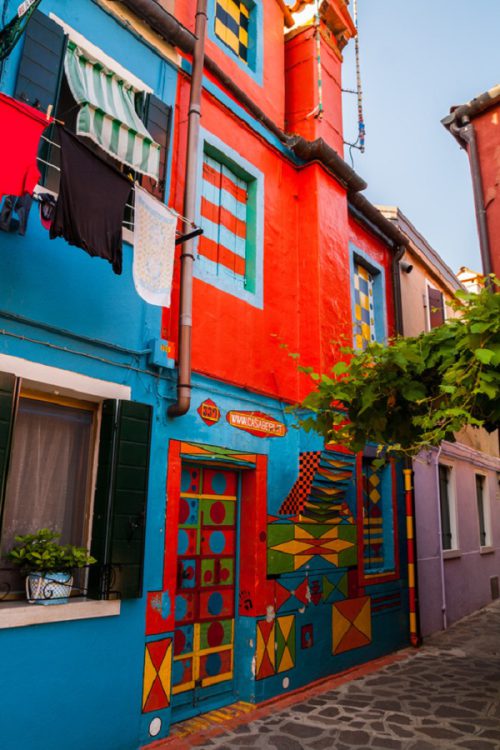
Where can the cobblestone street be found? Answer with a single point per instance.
(445, 695)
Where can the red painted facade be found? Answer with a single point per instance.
(307, 229)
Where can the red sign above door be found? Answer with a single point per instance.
(209, 412)
(256, 423)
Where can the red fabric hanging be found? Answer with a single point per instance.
(20, 129)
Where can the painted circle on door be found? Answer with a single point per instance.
(218, 512)
(217, 542)
(189, 480)
(215, 603)
(183, 511)
(215, 634)
(213, 664)
(219, 483)
(179, 642)
(182, 542)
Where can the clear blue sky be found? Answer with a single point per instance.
(418, 58)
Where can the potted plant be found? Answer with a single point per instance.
(47, 565)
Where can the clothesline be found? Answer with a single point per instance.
(182, 218)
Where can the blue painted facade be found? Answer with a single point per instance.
(62, 309)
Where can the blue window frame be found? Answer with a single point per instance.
(367, 298)
(236, 26)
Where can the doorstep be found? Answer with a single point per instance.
(192, 732)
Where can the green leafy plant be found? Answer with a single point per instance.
(40, 553)
(417, 391)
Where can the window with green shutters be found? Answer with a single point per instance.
(42, 82)
(53, 488)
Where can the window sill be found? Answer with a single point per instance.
(451, 554)
(20, 614)
(486, 550)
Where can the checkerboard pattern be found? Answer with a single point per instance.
(231, 25)
(297, 497)
(364, 315)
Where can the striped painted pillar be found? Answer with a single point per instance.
(410, 541)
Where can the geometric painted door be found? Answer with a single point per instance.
(202, 671)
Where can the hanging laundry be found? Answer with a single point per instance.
(21, 206)
(154, 248)
(21, 127)
(47, 204)
(91, 203)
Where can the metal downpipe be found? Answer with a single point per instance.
(467, 135)
(181, 406)
(411, 521)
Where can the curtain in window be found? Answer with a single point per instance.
(107, 113)
(48, 475)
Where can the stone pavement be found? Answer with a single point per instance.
(445, 695)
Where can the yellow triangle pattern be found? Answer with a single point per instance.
(340, 626)
(149, 676)
(165, 671)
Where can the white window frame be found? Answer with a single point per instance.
(452, 509)
(487, 547)
(45, 378)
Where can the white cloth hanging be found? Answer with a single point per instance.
(154, 248)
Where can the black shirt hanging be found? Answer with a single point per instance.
(91, 203)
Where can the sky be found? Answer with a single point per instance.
(418, 58)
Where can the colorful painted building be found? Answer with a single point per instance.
(238, 558)
(475, 127)
(456, 490)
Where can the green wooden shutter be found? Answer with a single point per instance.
(120, 499)
(41, 66)
(8, 396)
(157, 120)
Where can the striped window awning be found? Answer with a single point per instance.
(107, 112)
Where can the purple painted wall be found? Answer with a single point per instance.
(461, 580)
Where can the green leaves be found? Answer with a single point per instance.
(484, 355)
(418, 391)
(41, 553)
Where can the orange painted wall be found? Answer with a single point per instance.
(307, 290)
(302, 90)
(487, 127)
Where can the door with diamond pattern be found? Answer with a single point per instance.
(202, 675)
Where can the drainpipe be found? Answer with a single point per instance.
(411, 541)
(181, 406)
(466, 134)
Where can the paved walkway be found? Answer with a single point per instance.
(445, 695)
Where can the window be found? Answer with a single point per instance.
(364, 312)
(368, 300)
(482, 511)
(127, 124)
(49, 446)
(436, 307)
(378, 518)
(232, 20)
(447, 509)
(230, 214)
(224, 199)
